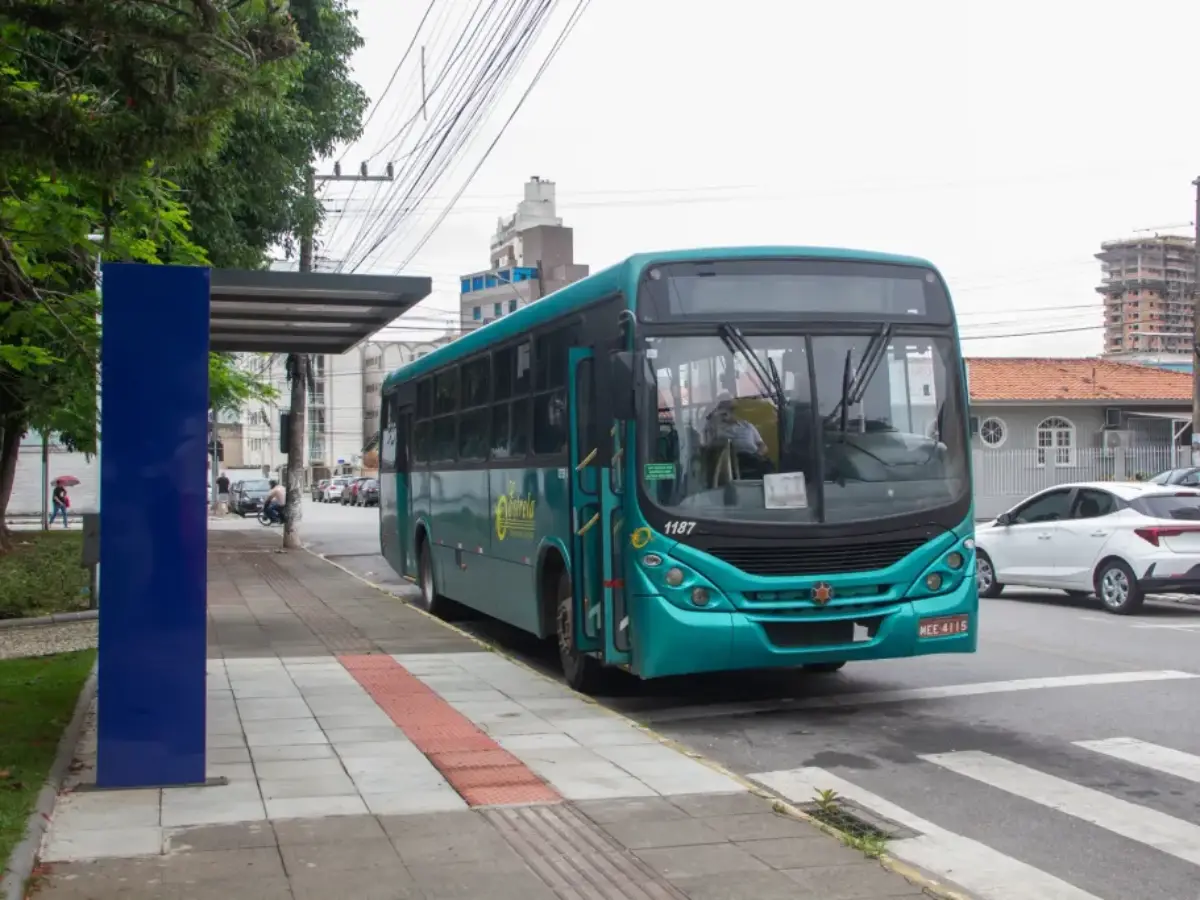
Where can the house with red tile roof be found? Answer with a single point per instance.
(1036, 422)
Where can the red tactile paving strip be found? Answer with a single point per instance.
(483, 772)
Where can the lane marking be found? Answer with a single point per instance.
(902, 695)
(483, 772)
(1149, 756)
(975, 867)
(1148, 827)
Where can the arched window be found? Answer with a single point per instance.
(1056, 442)
(993, 432)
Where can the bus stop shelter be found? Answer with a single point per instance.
(159, 325)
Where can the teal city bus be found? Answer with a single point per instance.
(697, 461)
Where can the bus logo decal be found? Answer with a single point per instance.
(822, 593)
(515, 513)
(640, 537)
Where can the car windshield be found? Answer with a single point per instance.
(256, 487)
(805, 428)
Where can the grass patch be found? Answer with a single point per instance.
(42, 574)
(37, 699)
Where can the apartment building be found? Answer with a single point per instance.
(1147, 286)
(531, 254)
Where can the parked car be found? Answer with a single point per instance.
(246, 497)
(1117, 540)
(368, 493)
(350, 494)
(332, 492)
(1189, 477)
(318, 489)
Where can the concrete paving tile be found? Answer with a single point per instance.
(223, 724)
(105, 809)
(801, 852)
(315, 786)
(428, 779)
(759, 826)
(867, 880)
(648, 834)
(222, 865)
(294, 752)
(473, 846)
(699, 861)
(390, 882)
(240, 836)
(66, 845)
(527, 723)
(211, 805)
(283, 708)
(228, 756)
(553, 741)
(361, 854)
(225, 741)
(327, 830)
(399, 763)
(338, 736)
(307, 807)
(702, 805)
(397, 750)
(635, 809)
(376, 719)
(257, 888)
(471, 881)
(605, 786)
(740, 885)
(253, 691)
(256, 727)
(233, 772)
(300, 768)
(287, 739)
(450, 826)
(414, 801)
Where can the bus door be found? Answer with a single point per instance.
(598, 573)
(394, 489)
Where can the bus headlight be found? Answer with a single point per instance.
(674, 577)
(700, 596)
(955, 560)
(933, 581)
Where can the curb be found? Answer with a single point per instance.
(85, 615)
(912, 874)
(21, 863)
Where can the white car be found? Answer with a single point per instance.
(333, 490)
(1119, 540)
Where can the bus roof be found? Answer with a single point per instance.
(608, 281)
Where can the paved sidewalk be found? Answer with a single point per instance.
(371, 752)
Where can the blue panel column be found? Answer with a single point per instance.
(153, 526)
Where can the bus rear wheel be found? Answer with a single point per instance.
(432, 602)
(583, 673)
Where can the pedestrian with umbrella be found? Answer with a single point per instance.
(60, 499)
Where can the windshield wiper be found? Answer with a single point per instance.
(768, 377)
(854, 389)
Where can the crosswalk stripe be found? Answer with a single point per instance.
(1149, 756)
(975, 867)
(1137, 823)
(906, 695)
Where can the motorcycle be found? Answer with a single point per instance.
(274, 516)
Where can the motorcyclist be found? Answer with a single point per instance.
(276, 498)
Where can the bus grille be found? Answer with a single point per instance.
(828, 560)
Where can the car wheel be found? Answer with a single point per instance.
(1117, 588)
(823, 668)
(985, 576)
(583, 673)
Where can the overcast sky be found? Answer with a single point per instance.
(1003, 142)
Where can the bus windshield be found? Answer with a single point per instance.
(805, 428)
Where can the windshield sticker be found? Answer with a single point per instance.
(785, 490)
(658, 471)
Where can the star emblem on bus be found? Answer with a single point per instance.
(822, 593)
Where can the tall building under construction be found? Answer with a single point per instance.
(1147, 287)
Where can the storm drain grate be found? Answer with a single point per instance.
(838, 816)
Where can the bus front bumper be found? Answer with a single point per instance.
(670, 640)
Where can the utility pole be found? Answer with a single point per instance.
(298, 362)
(1196, 333)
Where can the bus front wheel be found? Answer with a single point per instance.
(582, 672)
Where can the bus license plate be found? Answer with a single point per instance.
(943, 626)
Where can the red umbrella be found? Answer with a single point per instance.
(67, 481)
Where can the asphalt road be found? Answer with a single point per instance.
(1060, 762)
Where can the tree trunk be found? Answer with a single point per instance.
(10, 446)
(295, 461)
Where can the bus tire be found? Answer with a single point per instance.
(431, 601)
(823, 668)
(583, 673)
